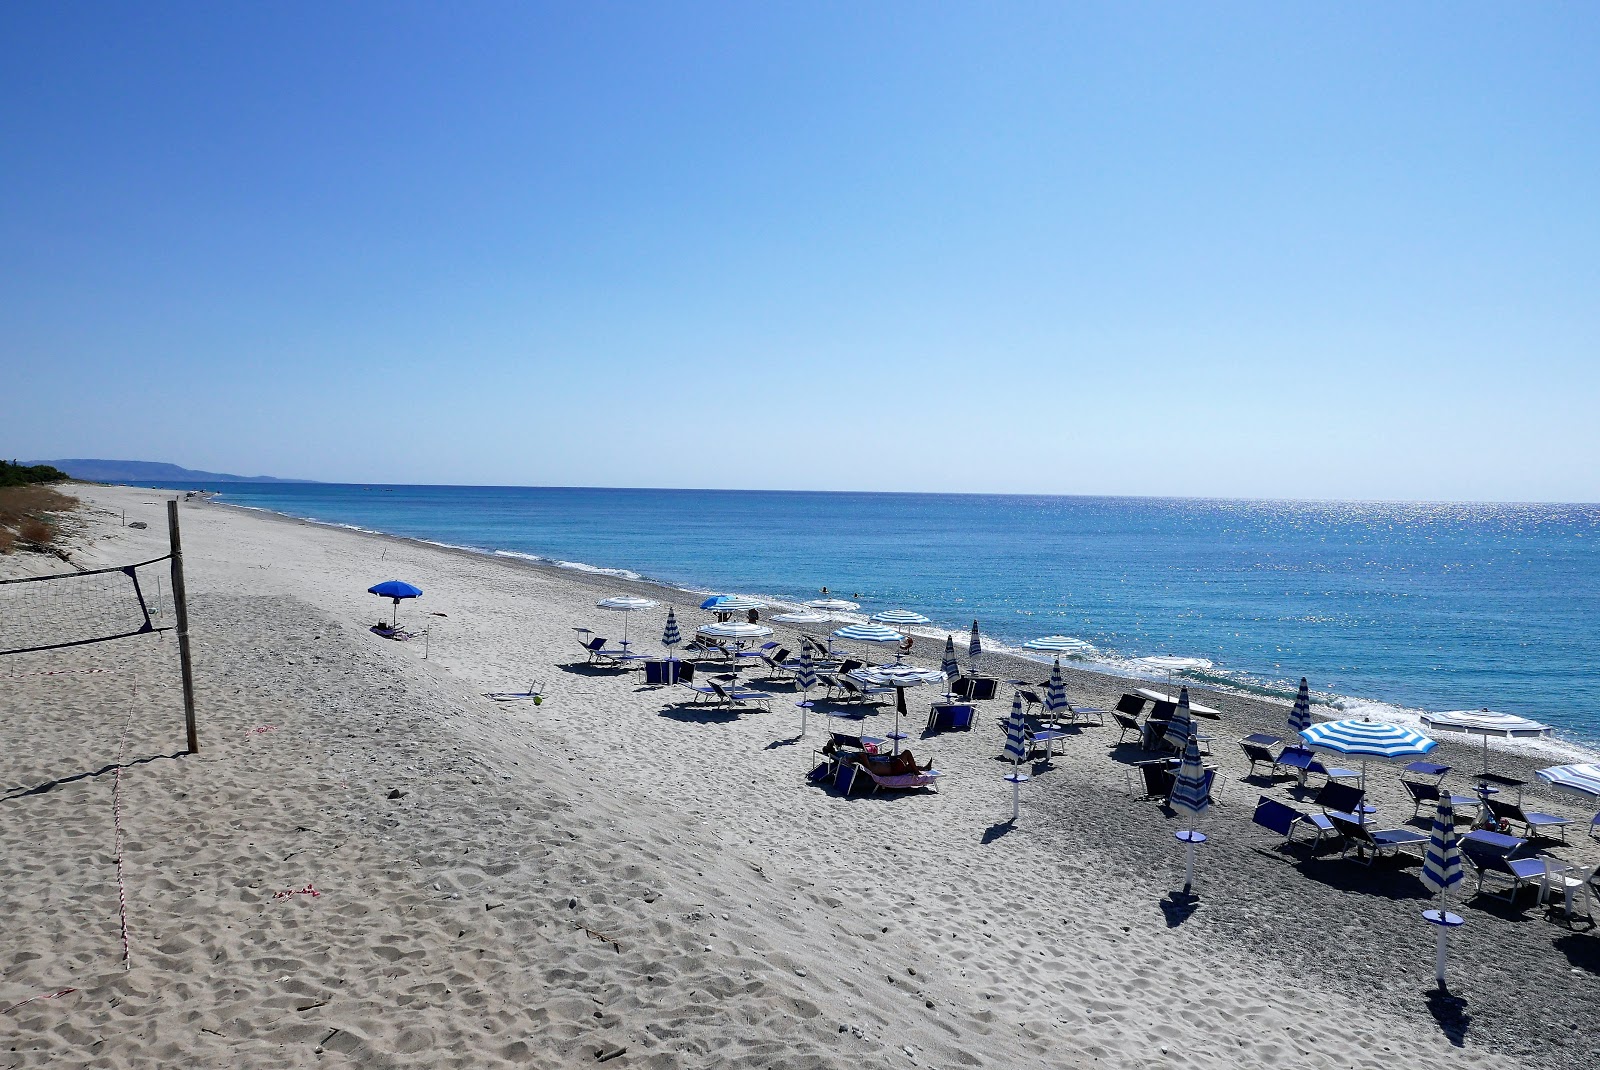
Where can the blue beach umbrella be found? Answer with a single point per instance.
(1016, 733)
(1055, 696)
(949, 666)
(805, 678)
(731, 603)
(899, 617)
(395, 590)
(1300, 716)
(1366, 739)
(1441, 869)
(867, 633)
(1583, 779)
(1180, 730)
(1190, 795)
(671, 637)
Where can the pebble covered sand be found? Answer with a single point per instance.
(368, 863)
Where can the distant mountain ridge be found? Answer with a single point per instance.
(103, 471)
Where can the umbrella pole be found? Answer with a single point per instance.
(394, 615)
(1188, 867)
(1441, 956)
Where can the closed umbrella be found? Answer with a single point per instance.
(949, 666)
(670, 636)
(1191, 795)
(395, 590)
(1441, 869)
(805, 678)
(1016, 749)
(974, 648)
(1181, 728)
(627, 605)
(1300, 716)
(1055, 695)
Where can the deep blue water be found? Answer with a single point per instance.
(1423, 606)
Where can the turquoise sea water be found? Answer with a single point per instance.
(1418, 606)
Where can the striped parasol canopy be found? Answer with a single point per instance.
(1368, 739)
(628, 605)
(801, 617)
(670, 636)
(734, 630)
(896, 676)
(1300, 716)
(731, 603)
(974, 648)
(949, 666)
(1059, 644)
(1485, 723)
(1180, 730)
(834, 605)
(1584, 778)
(1441, 862)
(899, 617)
(1016, 733)
(867, 633)
(1055, 696)
(805, 674)
(1190, 795)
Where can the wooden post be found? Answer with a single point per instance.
(181, 605)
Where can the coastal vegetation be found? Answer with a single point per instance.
(30, 518)
(13, 474)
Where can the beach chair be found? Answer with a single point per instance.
(1086, 711)
(1162, 710)
(1153, 734)
(738, 696)
(1493, 858)
(686, 678)
(1257, 748)
(1433, 769)
(1533, 823)
(1430, 794)
(1158, 777)
(1030, 699)
(898, 773)
(1339, 798)
(1131, 705)
(1370, 842)
(778, 664)
(975, 688)
(599, 655)
(1285, 820)
(1571, 882)
(950, 717)
(1298, 761)
(1127, 724)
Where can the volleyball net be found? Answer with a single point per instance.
(78, 608)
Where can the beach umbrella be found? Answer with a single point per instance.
(898, 677)
(1016, 749)
(1191, 795)
(805, 678)
(1441, 869)
(395, 590)
(867, 633)
(1170, 664)
(1366, 739)
(626, 605)
(1583, 779)
(800, 617)
(834, 605)
(1180, 728)
(1059, 644)
(731, 603)
(1485, 723)
(670, 636)
(899, 618)
(735, 630)
(1055, 695)
(1300, 716)
(949, 666)
(974, 648)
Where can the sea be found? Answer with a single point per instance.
(1389, 608)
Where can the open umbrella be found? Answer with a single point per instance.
(395, 590)
(1485, 723)
(867, 633)
(1367, 739)
(627, 605)
(1300, 716)
(731, 603)
(1191, 795)
(834, 605)
(670, 636)
(1016, 749)
(1584, 779)
(898, 677)
(1171, 663)
(899, 618)
(1059, 644)
(737, 631)
(1441, 868)
(800, 617)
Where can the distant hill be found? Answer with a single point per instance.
(101, 471)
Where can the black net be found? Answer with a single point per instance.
(75, 608)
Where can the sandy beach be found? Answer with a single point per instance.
(369, 863)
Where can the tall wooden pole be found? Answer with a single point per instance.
(181, 604)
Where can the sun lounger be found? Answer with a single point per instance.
(599, 655)
(738, 696)
(702, 692)
(1131, 705)
(1257, 749)
(1048, 738)
(1030, 699)
(1158, 777)
(1366, 839)
(1533, 823)
(897, 773)
(1126, 724)
(1086, 711)
(1430, 794)
(1286, 821)
(975, 688)
(951, 717)
(1491, 856)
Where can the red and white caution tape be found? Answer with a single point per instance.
(288, 892)
(48, 995)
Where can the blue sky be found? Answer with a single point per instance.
(1274, 250)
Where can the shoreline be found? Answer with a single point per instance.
(621, 868)
(1553, 750)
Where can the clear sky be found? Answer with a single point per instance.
(1204, 249)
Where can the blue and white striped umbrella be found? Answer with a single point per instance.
(1189, 792)
(949, 665)
(899, 617)
(834, 605)
(1055, 696)
(867, 633)
(1300, 716)
(1016, 733)
(1584, 779)
(1368, 739)
(671, 637)
(734, 630)
(627, 605)
(805, 674)
(1180, 730)
(974, 648)
(731, 603)
(1441, 863)
(1058, 644)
